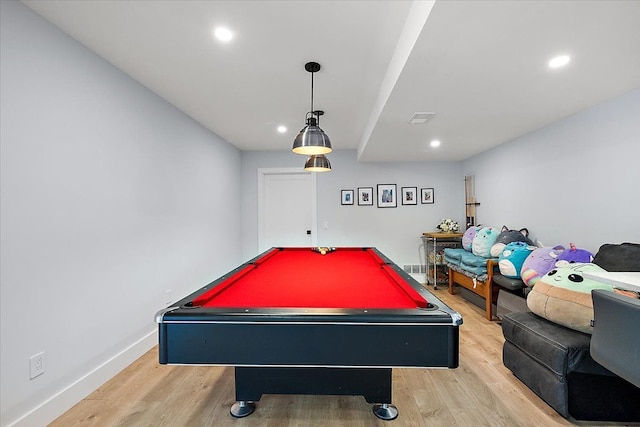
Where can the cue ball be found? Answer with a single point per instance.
(323, 252)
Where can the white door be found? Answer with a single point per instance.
(286, 208)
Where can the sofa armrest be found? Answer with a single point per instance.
(615, 342)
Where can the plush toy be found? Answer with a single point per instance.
(538, 263)
(563, 296)
(573, 255)
(512, 257)
(467, 237)
(507, 236)
(482, 242)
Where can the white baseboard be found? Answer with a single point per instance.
(56, 405)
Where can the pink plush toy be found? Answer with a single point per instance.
(467, 237)
(538, 263)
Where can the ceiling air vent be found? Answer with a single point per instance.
(420, 118)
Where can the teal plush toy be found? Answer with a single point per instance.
(512, 257)
(482, 242)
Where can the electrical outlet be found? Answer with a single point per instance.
(36, 364)
(168, 297)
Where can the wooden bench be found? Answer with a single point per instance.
(484, 288)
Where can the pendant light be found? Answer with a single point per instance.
(317, 163)
(312, 140)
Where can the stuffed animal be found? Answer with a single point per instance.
(512, 257)
(538, 263)
(467, 237)
(573, 255)
(482, 242)
(563, 296)
(507, 236)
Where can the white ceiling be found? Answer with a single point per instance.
(480, 65)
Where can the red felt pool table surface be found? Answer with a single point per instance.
(302, 277)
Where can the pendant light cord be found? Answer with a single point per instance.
(312, 94)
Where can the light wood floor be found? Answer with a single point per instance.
(481, 392)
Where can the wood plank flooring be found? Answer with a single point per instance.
(481, 392)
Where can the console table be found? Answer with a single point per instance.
(434, 244)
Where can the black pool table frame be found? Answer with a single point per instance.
(310, 350)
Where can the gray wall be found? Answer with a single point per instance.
(577, 180)
(395, 231)
(110, 198)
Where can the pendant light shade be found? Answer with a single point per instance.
(311, 139)
(317, 163)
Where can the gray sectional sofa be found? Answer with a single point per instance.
(555, 362)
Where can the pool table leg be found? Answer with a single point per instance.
(242, 409)
(374, 384)
(385, 411)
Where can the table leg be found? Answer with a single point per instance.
(385, 411)
(435, 265)
(242, 408)
(374, 384)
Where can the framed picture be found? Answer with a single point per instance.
(365, 196)
(409, 195)
(427, 195)
(387, 196)
(347, 197)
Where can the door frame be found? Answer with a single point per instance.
(262, 173)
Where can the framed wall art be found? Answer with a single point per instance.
(409, 195)
(387, 196)
(347, 197)
(426, 195)
(365, 196)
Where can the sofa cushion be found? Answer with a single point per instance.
(508, 283)
(477, 277)
(470, 260)
(454, 255)
(559, 349)
(474, 271)
(622, 257)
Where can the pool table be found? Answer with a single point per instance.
(297, 321)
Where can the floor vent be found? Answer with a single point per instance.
(414, 268)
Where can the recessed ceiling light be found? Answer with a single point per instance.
(223, 34)
(435, 143)
(559, 61)
(282, 129)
